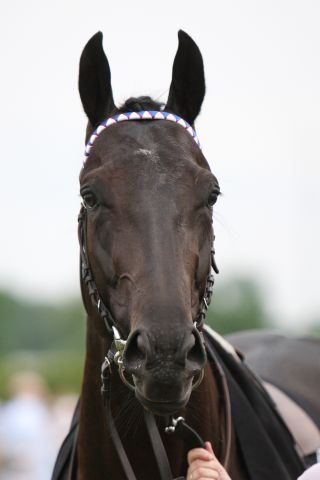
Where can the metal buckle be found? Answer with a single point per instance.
(174, 423)
(118, 359)
(118, 342)
(105, 366)
(124, 379)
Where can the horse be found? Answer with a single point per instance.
(146, 260)
(290, 369)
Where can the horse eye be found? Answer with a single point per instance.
(213, 197)
(89, 200)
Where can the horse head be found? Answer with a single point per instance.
(148, 193)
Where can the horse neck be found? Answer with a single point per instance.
(97, 457)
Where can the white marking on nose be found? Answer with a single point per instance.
(145, 151)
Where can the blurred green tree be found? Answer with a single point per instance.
(50, 339)
(46, 338)
(238, 304)
(40, 326)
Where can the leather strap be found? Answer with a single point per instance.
(158, 447)
(118, 444)
(106, 396)
(86, 275)
(189, 435)
(227, 407)
(182, 430)
(185, 432)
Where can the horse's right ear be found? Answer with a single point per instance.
(187, 87)
(95, 81)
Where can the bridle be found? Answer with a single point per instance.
(118, 345)
(115, 353)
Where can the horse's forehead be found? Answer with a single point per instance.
(148, 169)
(138, 156)
(153, 141)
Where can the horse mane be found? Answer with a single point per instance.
(137, 104)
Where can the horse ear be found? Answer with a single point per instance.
(95, 81)
(187, 87)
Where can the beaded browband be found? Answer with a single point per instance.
(143, 115)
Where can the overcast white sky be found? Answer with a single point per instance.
(259, 128)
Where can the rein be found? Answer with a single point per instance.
(176, 426)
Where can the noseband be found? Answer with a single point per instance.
(115, 353)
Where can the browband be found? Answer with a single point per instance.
(143, 115)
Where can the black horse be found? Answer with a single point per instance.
(146, 242)
(290, 369)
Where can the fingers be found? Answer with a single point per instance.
(203, 470)
(203, 465)
(199, 454)
(208, 447)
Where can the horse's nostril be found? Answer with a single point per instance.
(196, 354)
(140, 344)
(135, 352)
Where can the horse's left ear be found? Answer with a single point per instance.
(95, 81)
(187, 87)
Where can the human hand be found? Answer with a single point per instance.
(203, 464)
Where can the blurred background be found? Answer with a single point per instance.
(259, 129)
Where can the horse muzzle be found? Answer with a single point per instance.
(164, 373)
